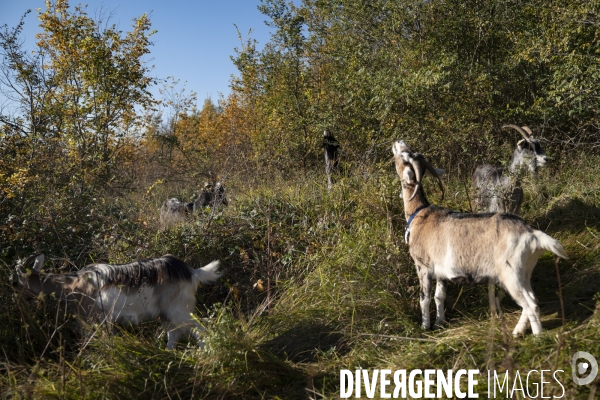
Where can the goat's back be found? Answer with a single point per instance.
(149, 272)
(464, 241)
(485, 175)
(494, 192)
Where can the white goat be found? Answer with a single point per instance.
(140, 291)
(499, 190)
(468, 248)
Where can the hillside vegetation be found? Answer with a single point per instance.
(315, 280)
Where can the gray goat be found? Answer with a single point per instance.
(174, 211)
(468, 248)
(498, 189)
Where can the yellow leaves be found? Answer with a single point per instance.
(258, 285)
(235, 292)
(153, 186)
(244, 255)
(11, 184)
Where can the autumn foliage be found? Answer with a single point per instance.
(91, 145)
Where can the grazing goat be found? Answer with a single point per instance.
(499, 190)
(140, 291)
(212, 195)
(173, 211)
(467, 248)
(332, 156)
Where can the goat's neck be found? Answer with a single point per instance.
(55, 283)
(410, 206)
(521, 164)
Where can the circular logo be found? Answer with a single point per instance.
(580, 367)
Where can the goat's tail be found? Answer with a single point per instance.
(207, 274)
(550, 244)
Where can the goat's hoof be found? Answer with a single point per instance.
(440, 325)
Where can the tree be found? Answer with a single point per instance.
(70, 124)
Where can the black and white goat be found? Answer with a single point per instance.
(468, 248)
(332, 156)
(498, 189)
(140, 291)
(174, 211)
(213, 194)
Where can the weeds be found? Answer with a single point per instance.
(314, 282)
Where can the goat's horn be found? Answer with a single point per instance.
(29, 260)
(434, 173)
(526, 129)
(518, 129)
(418, 174)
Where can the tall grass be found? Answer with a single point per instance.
(315, 281)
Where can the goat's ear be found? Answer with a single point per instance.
(522, 144)
(39, 263)
(408, 175)
(90, 277)
(16, 276)
(439, 171)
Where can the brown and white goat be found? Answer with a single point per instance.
(468, 248)
(140, 291)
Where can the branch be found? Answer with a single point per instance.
(18, 127)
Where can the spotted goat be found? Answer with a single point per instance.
(131, 293)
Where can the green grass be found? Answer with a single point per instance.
(338, 291)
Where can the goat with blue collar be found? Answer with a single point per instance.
(467, 248)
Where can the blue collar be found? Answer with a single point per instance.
(412, 216)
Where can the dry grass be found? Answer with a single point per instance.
(337, 291)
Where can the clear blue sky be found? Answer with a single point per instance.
(195, 38)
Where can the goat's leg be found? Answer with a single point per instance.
(173, 335)
(520, 296)
(521, 324)
(196, 332)
(492, 298)
(184, 324)
(425, 278)
(440, 297)
(535, 317)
